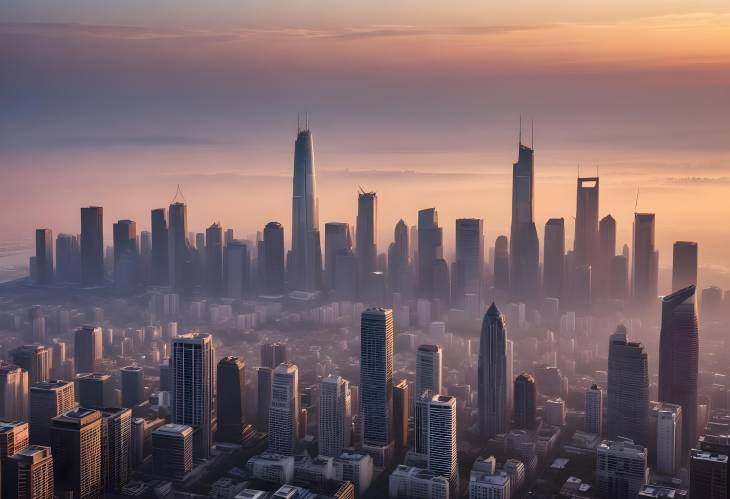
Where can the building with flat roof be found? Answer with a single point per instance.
(172, 451)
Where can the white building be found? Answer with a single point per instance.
(416, 483)
(621, 469)
(555, 412)
(442, 452)
(429, 369)
(335, 417)
(284, 409)
(668, 438)
(272, 467)
(357, 468)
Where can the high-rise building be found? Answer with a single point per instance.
(231, 380)
(14, 437)
(708, 475)
(172, 451)
(76, 439)
(36, 359)
(179, 257)
(145, 255)
(263, 394)
(335, 416)
(273, 259)
(44, 256)
(92, 245)
(48, 400)
(214, 260)
(306, 255)
(68, 258)
(469, 263)
(337, 241)
(132, 378)
(618, 280)
(668, 449)
(238, 269)
(192, 366)
(501, 263)
(28, 474)
(284, 410)
(645, 265)
(621, 469)
(160, 266)
(376, 383)
(430, 250)
(366, 233)
(420, 422)
(492, 374)
(401, 412)
(13, 393)
(606, 252)
(88, 349)
(678, 359)
(96, 391)
(554, 257)
(116, 442)
(525, 402)
(273, 354)
(429, 369)
(585, 249)
(628, 389)
(398, 260)
(125, 252)
(442, 451)
(594, 410)
(684, 265)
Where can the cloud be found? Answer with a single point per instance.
(401, 31)
(698, 180)
(131, 141)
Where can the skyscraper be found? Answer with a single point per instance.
(585, 250)
(606, 252)
(92, 245)
(594, 410)
(28, 474)
(376, 383)
(96, 391)
(48, 400)
(492, 374)
(284, 410)
(263, 394)
(116, 443)
(430, 250)
(13, 393)
(684, 265)
(366, 233)
(628, 389)
(273, 354)
(132, 386)
(76, 439)
(230, 376)
(678, 359)
(501, 263)
(335, 416)
(337, 241)
(36, 359)
(274, 259)
(469, 263)
(398, 260)
(238, 268)
(214, 260)
(645, 263)
(401, 412)
(179, 258)
(554, 258)
(44, 256)
(668, 437)
(125, 252)
(192, 366)
(172, 451)
(160, 260)
(525, 402)
(442, 451)
(68, 258)
(621, 469)
(13, 438)
(88, 349)
(708, 475)
(306, 253)
(429, 369)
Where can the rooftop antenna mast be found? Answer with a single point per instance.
(532, 133)
(178, 193)
(520, 135)
(306, 121)
(636, 205)
(299, 126)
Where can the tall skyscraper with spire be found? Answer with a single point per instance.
(492, 375)
(306, 257)
(678, 359)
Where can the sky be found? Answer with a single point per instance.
(116, 103)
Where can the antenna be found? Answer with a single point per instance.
(178, 193)
(578, 169)
(636, 205)
(299, 127)
(532, 134)
(520, 136)
(306, 121)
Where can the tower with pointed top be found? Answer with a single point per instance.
(492, 374)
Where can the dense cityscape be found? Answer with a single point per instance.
(186, 363)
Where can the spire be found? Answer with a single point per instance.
(493, 311)
(520, 135)
(180, 194)
(532, 134)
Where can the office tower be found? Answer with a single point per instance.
(684, 265)
(28, 474)
(420, 422)
(366, 233)
(192, 366)
(172, 451)
(179, 258)
(430, 241)
(264, 376)
(667, 419)
(116, 442)
(132, 386)
(628, 389)
(284, 409)
(376, 383)
(238, 268)
(501, 263)
(606, 252)
(335, 416)
(274, 259)
(442, 451)
(44, 256)
(554, 412)
(398, 260)
(96, 391)
(620, 469)
(35, 359)
(594, 410)
(306, 264)
(708, 475)
(68, 258)
(214, 260)
(76, 439)
(160, 260)
(13, 438)
(678, 359)
(125, 252)
(337, 241)
(492, 375)
(346, 278)
(429, 369)
(401, 411)
(88, 349)
(469, 263)
(273, 354)
(13, 393)
(525, 402)
(645, 263)
(585, 249)
(145, 255)
(554, 258)
(92, 245)
(48, 400)
(230, 376)
(228, 236)
(619, 278)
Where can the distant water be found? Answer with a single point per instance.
(14, 257)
